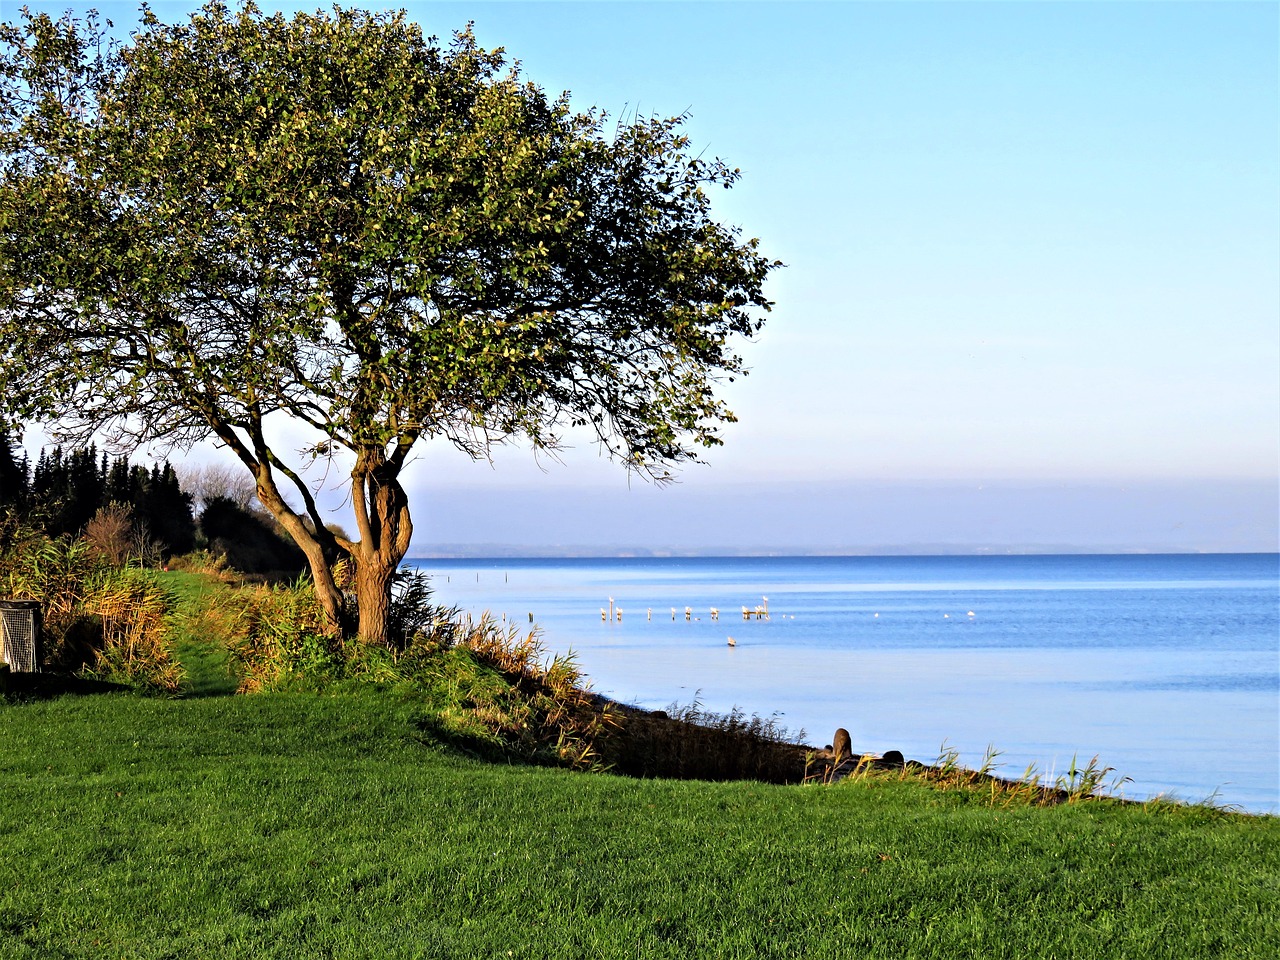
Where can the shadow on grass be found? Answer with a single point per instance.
(686, 744)
(468, 745)
(46, 686)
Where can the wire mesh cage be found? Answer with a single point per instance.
(20, 635)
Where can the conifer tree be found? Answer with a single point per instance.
(13, 474)
(118, 486)
(166, 511)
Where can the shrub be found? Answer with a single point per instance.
(278, 639)
(249, 543)
(110, 533)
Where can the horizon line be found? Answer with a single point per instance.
(579, 552)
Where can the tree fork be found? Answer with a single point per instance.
(327, 592)
(330, 596)
(382, 515)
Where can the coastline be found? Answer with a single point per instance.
(1164, 665)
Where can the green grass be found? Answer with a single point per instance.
(359, 823)
(206, 661)
(306, 825)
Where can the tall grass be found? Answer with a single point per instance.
(1089, 782)
(137, 647)
(549, 712)
(99, 619)
(278, 639)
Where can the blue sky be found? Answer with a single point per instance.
(1023, 240)
(1028, 245)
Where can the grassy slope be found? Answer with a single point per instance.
(305, 825)
(301, 825)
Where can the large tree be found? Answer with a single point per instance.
(335, 220)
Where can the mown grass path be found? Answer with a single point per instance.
(199, 638)
(303, 825)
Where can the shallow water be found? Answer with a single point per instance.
(1166, 667)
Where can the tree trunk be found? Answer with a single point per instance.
(382, 514)
(312, 541)
(373, 599)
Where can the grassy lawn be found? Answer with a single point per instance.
(305, 825)
(335, 824)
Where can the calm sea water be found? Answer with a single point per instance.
(1166, 667)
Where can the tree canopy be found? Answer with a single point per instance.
(334, 219)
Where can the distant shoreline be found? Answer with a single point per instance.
(579, 552)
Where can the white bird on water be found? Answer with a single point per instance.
(733, 642)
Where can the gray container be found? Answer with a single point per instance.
(20, 635)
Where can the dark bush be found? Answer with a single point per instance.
(248, 542)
